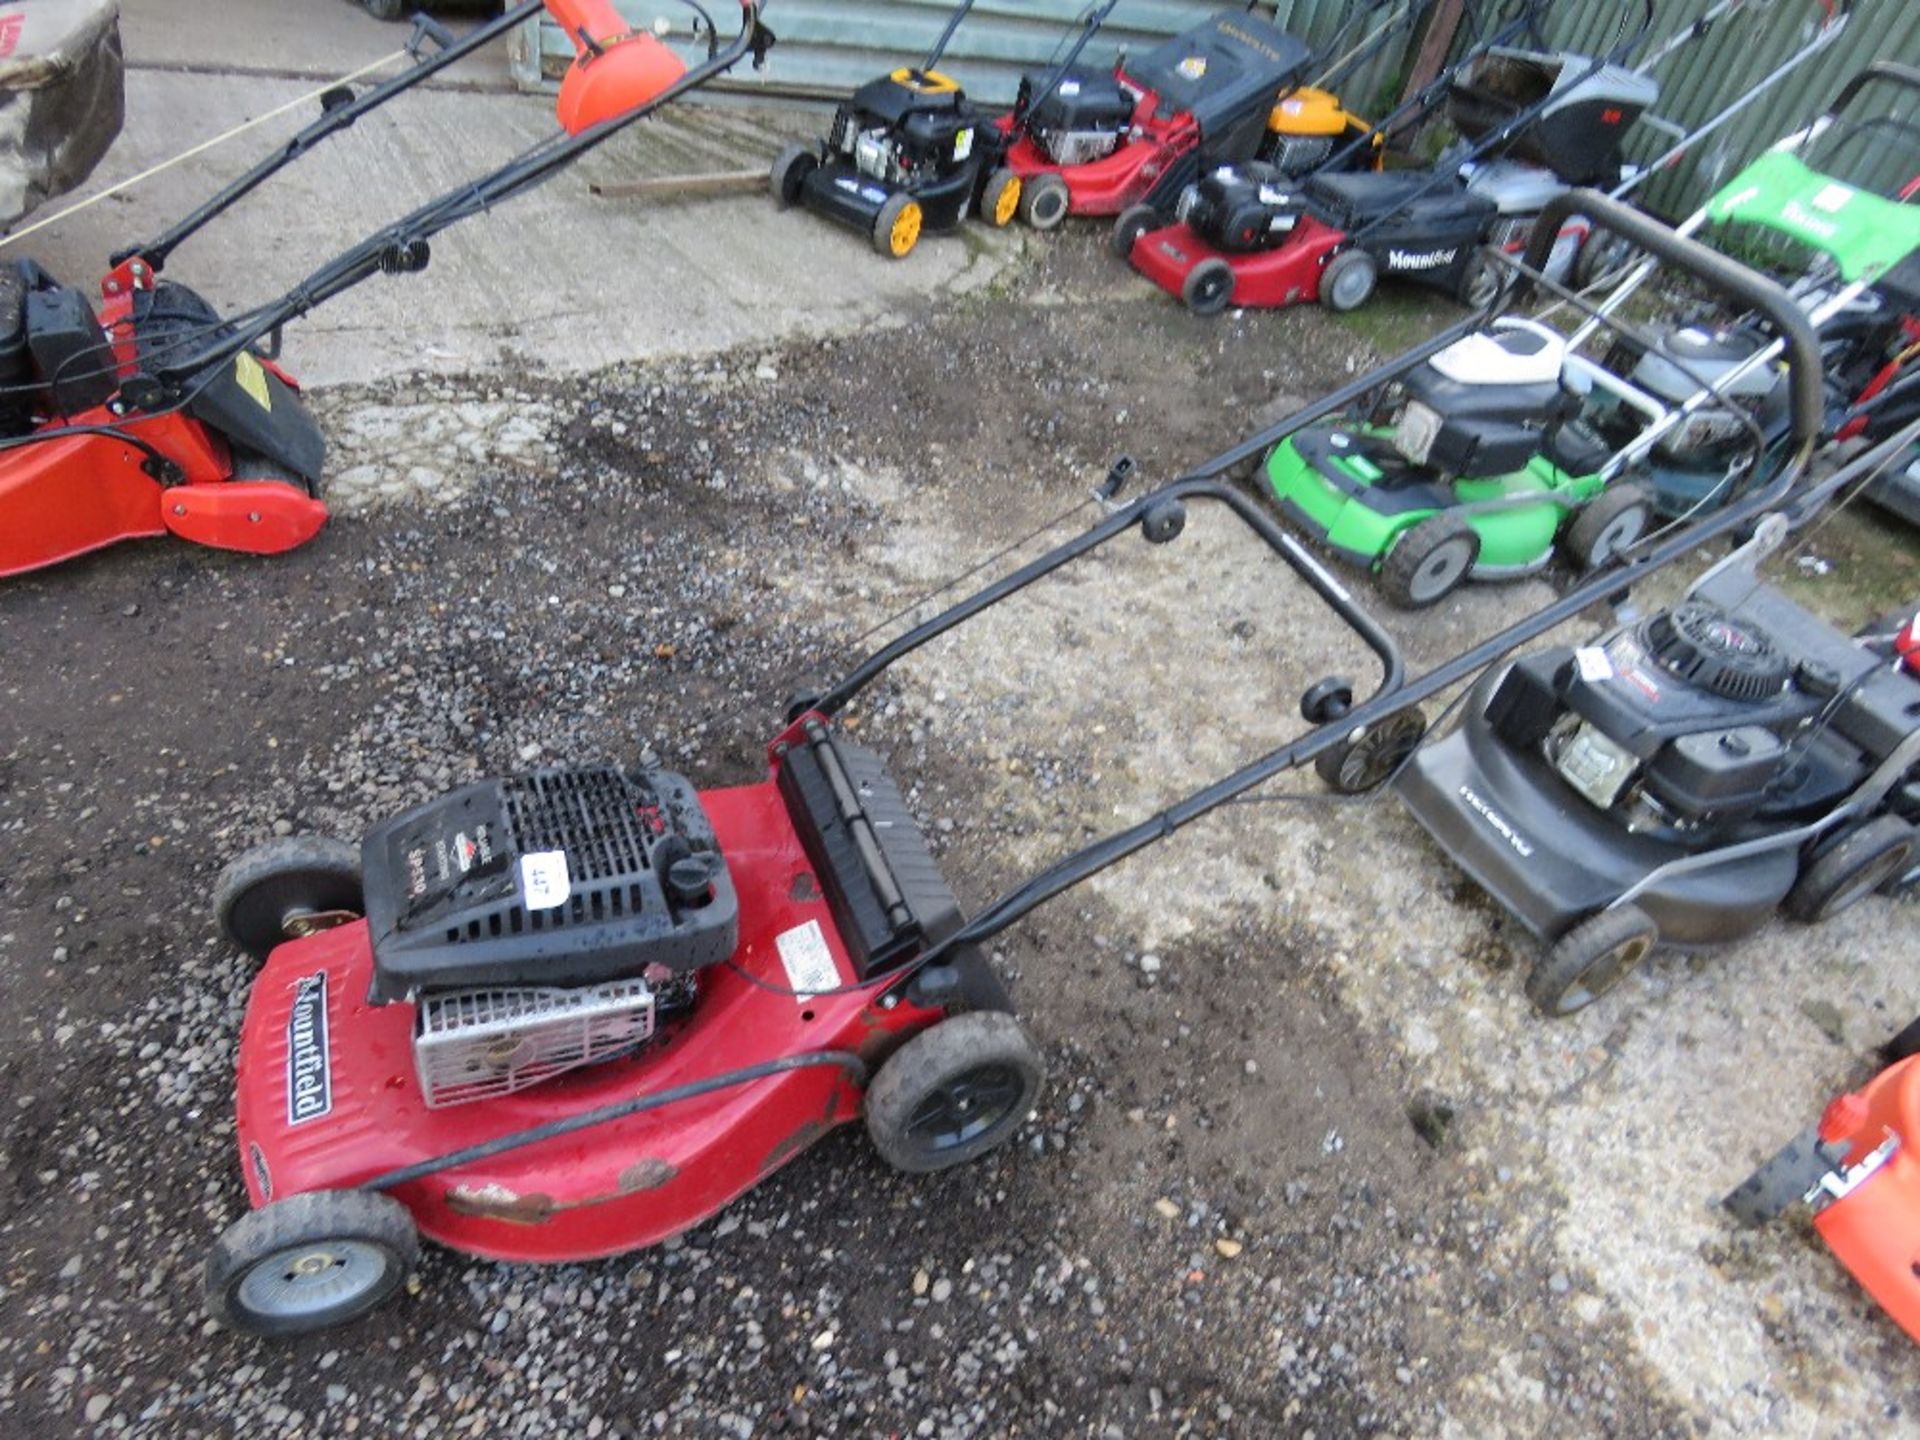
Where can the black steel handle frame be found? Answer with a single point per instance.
(402, 245)
(1394, 693)
(1890, 70)
(333, 119)
(1025, 104)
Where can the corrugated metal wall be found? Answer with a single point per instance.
(1696, 81)
(829, 46)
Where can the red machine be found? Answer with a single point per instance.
(1858, 1170)
(157, 415)
(1091, 142)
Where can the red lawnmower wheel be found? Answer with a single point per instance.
(1208, 288)
(954, 1092)
(310, 1262)
(1134, 221)
(1044, 202)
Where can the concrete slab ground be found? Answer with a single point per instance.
(563, 280)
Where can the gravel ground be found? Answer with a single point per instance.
(1307, 1164)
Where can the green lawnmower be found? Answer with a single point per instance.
(1477, 464)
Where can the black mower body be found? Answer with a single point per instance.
(1415, 231)
(909, 132)
(1725, 727)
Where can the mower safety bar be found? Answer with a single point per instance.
(1756, 291)
(402, 246)
(1892, 70)
(335, 116)
(1165, 506)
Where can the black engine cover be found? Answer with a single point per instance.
(557, 877)
(1241, 210)
(1082, 100)
(1490, 428)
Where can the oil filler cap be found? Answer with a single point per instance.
(688, 882)
(1810, 677)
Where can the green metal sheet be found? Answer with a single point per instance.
(1865, 234)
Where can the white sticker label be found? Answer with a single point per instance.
(544, 879)
(1594, 664)
(962, 145)
(1069, 87)
(1832, 198)
(809, 964)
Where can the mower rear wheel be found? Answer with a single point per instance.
(1590, 959)
(896, 229)
(954, 1092)
(286, 889)
(1603, 261)
(790, 170)
(1849, 869)
(1134, 221)
(1044, 202)
(1368, 760)
(1000, 200)
(1429, 560)
(1617, 518)
(250, 465)
(1481, 284)
(1347, 282)
(310, 1262)
(1208, 288)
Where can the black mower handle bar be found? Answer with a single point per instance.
(335, 115)
(1756, 291)
(1893, 70)
(402, 246)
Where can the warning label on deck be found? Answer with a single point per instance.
(810, 967)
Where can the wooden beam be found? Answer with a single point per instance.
(667, 187)
(1442, 26)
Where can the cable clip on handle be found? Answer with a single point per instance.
(1118, 474)
(425, 29)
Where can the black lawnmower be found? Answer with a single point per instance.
(1682, 777)
(906, 154)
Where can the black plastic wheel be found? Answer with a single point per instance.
(386, 9)
(1163, 522)
(954, 1092)
(1618, 516)
(1369, 760)
(1000, 199)
(310, 1262)
(1044, 201)
(247, 465)
(1348, 281)
(790, 170)
(1134, 221)
(1208, 288)
(1603, 261)
(1482, 281)
(1590, 959)
(287, 888)
(896, 229)
(1429, 561)
(1327, 699)
(1851, 867)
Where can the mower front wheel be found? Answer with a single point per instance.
(1851, 868)
(1000, 199)
(790, 170)
(954, 1092)
(286, 889)
(1590, 959)
(1209, 287)
(310, 1262)
(1347, 282)
(1044, 202)
(1134, 221)
(1429, 561)
(1368, 760)
(896, 229)
(1615, 520)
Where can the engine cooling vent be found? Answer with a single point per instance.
(1708, 648)
(475, 1044)
(591, 814)
(1295, 155)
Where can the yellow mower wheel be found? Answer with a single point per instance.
(896, 229)
(1000, 201)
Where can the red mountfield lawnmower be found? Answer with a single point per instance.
(156, 415)
(1093, 142)
(1858, 1170)
(574, 1012)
